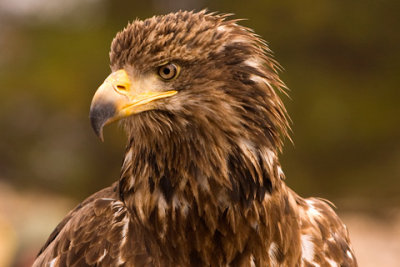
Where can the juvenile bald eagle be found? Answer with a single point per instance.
(201, 183)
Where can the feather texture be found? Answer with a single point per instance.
(201, 183)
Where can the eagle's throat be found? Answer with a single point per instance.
(198, 196)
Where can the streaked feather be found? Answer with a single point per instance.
(201, 183)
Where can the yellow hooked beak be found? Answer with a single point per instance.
(119, 97)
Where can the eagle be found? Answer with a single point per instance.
(200, 183)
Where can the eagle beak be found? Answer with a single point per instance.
(118, 97)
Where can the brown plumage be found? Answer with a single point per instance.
(201, 183)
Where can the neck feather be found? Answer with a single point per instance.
(172, 175)
(200, 188)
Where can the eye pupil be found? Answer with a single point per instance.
(168, 71)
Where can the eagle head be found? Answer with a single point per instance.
(185, 73)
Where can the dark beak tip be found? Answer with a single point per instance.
(101, 136)
(99, 133)
(99, 115)
(97, 127)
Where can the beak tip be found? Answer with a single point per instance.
(100, 136)
(99, 133)
(97, 128)
(99, 116)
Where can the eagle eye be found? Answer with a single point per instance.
(168, 71)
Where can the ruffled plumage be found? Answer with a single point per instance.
(201, 183)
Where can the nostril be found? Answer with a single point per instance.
(121, 87)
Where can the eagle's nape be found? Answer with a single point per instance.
(201, 183)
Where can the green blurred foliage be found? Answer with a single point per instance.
(341, 61)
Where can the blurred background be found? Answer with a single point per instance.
(341, 61)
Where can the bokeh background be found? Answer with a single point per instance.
(341, 61)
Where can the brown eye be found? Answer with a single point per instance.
(168, 71)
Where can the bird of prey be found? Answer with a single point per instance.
(201, 183)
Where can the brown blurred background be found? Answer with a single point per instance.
(342, 64)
